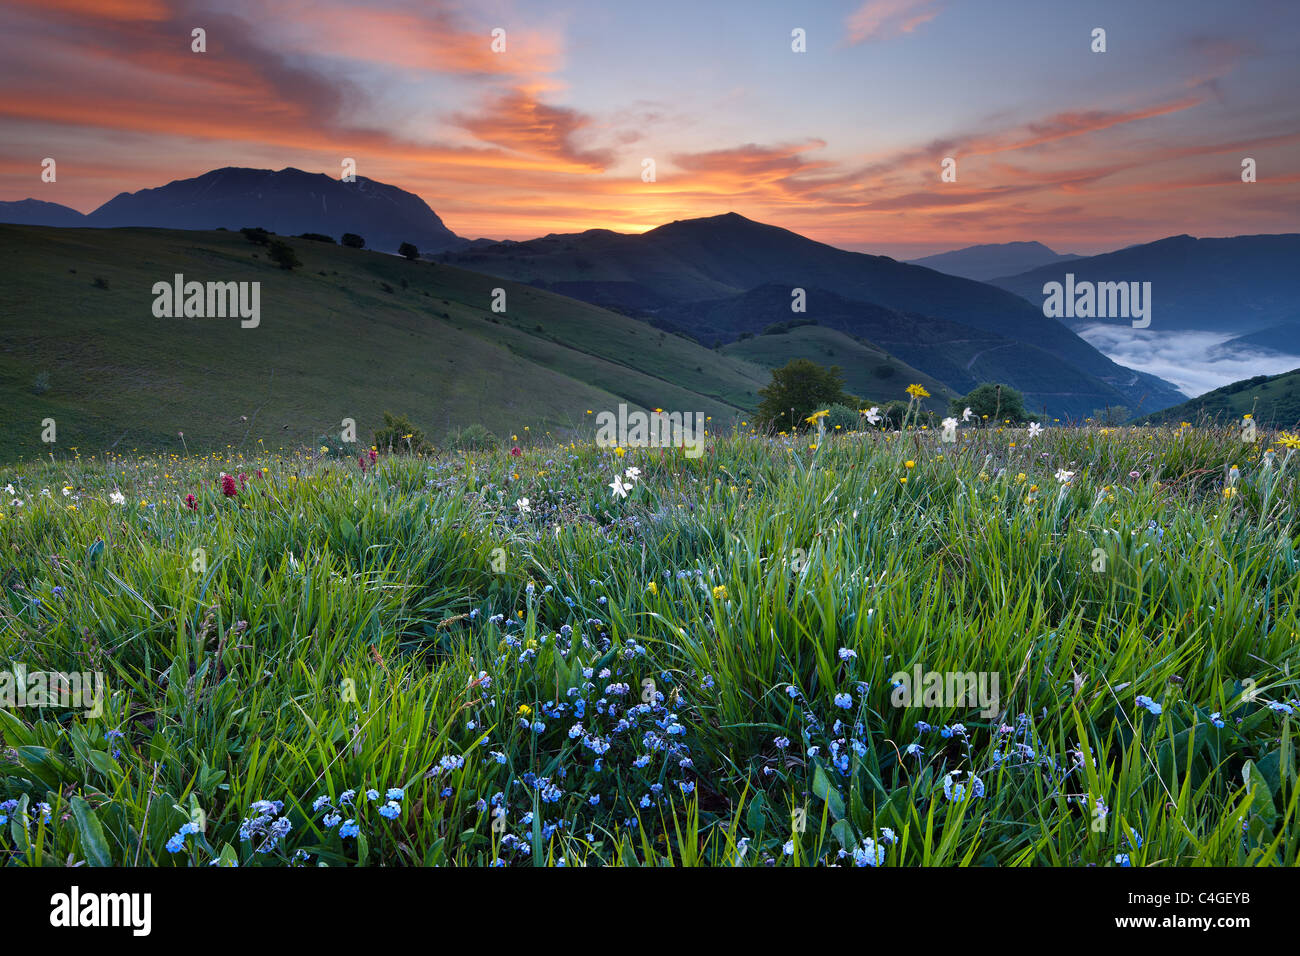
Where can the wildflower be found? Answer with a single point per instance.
(873, 415)
(620, 489)
(228, 487)
(191, 502)
(844, 700)
(117, 498)
(815, 417)
(917, 391)
(1063, 476)
(652, 587)
(523, 505)
(1035, 429)
(516, 452)
(966, 414)
(720, 592)
(1150, 705)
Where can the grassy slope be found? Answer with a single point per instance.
(328, 347)
(1273, 400)
(860, 362)
(231, 685)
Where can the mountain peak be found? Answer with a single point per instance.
(288, 201)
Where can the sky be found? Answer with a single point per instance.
(844, 142)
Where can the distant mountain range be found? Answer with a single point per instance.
(1242, 284)
(716, 277)
(288, 202)
(993, 260)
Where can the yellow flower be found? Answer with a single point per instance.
(812, 419)
(1229, 491)
(620, 451)
(525, 710)
(903, 479)
(909, 464)
(652, 588)
(1287, 440)
(917, 391)
(720, 592)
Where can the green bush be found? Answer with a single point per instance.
(399, 434)
(472, 438)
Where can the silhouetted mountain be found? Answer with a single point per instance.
(1241, 284)
(288, 202)
(991, 260)
(720, 257)
(34, 212)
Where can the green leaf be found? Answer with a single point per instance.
(18, 825)
(823, 788)
(91, 833)
(95, 551)
(15, 731)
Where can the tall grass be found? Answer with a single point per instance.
(698, 674)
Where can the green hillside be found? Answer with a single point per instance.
(1273, 401)
(869, 372)
(349, 334)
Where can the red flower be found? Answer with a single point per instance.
(191, 502)
(374, 456)
(228, 485)
(362, 462)
(515, 452)
(243, 480)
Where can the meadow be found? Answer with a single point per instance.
(497, 658)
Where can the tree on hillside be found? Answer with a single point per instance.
(997, 403)
(408, 251)
(353, 241)
(798, 389)
(282, 254)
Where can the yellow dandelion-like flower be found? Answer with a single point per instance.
(720, 592)
(909, 464)
(812, 419)
(652, 588)
(525, 710)
(1287, 440)
(917, 391)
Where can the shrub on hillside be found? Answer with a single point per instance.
(282, 254)
(256, 235)
(407, 250)
(798, 389)
(471, 438)
(997, 403)
(398, 434)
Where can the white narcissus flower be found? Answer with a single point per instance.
(873, 415)
(9, 490)
(1034, 429)
(950, 423)
(966, 414)
(620, 489)
(1063, 476)
(117, 498)
(523, 505)
(633, 473)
